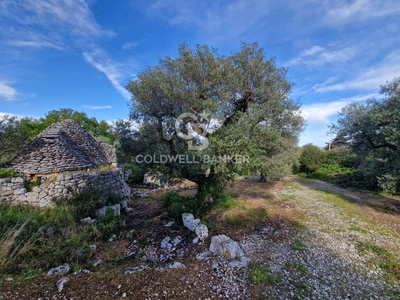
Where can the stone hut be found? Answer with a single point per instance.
(62, 159)
(63, 146)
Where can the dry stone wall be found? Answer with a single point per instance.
(63, 146)
(12, 190)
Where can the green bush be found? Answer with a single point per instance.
(109, 224)
(6, 173)
(388, 183)
(204, 201)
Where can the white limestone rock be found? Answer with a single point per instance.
(60, 270)
(226, 247)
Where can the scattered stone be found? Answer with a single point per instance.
(203, 255)
(176, 265)
(195, 240)
(92, 247)
(201, 232)
(88, 220)
(124, 295)
(96, 262)
(82, 271)
(169, 244)
(9, 279)
(60, 270)
(225, 246)
(112, 238)
(139, 194)
(128, 209)
(169, 224)
(131, 270)
(60, 283)
(189, 221)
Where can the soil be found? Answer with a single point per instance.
(303, 238)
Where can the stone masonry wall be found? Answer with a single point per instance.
(12, 190)
(63, 146)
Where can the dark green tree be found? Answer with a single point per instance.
(373, 132)
(240, 103)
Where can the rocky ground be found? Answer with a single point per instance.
(306, 240)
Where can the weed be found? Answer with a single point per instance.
(7, 173)
(261, 273)
(382, 258)
(299, 246)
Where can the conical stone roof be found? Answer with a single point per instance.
(63, 146)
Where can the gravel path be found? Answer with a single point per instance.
(321, 261)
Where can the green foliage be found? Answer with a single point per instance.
(245, 93)
(11, 137)
(299, 245)
(84, 203)
(110, 224)
(33, 238)
(137, 174)
(311, 158)
(29, 185)
(198, 205)
(262, 274)
(388, 183)
(372, 130)
(7, 173)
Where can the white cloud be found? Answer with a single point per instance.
(97, 106)
(361, 10)
(223, 19)
(110, 69)
(130, 45)
(319, 114)
(369, 78)
(319, 56)
(37, 44)
(7, 92)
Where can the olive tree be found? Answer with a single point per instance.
(234, 110)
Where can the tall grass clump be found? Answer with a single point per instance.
(41, 238)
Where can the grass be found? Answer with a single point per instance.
(383, 259)
(299, 246)
(6, 173)
(262, 274)
(41, 238)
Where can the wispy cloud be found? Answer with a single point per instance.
(222, 19)
(96, 107)
(319, 114)
(110, 69)
(361, 10)
(320, 56)
(7, 92)
(130, 45)
(369, 78)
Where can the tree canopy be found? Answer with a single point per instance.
(234, 106)
(373, 132)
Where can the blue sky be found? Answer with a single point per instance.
(80, 54)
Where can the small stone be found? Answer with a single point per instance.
(60, 283)
(96, 262)
(176, 265)
(60, 270)
(201, 232)
(195, 240)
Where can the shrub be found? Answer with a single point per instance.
(6, 173)
(109, 224)
(388, 183)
